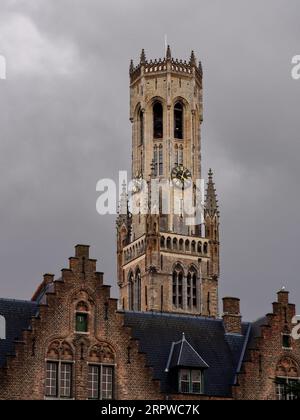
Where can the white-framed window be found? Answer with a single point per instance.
(100, 382)
(285, 390)
(58, 380)
(190, 381)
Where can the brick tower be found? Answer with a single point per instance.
(167, 261)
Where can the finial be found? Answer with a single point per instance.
(143, 57)
(131, 68)
(193, 59)
(169, 53)
(210, 174)
(200, 68)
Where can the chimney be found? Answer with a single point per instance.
(232, 317)
(82, 251)
(283, 296)
(47, 279)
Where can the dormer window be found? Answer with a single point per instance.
(186, 368)
(190, 381)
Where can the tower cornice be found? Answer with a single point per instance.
(158, 66)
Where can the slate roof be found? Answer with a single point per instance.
(220, 351)
(182, 354)
(205, 344)
(17, 315)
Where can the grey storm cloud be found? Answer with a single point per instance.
(64, 124)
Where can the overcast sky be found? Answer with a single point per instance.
(64, 124)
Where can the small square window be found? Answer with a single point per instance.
(190, 381)
(82, 323)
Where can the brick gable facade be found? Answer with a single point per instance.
(119, 339)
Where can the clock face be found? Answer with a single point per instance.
(182, 177)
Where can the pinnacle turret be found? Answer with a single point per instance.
(211, 201)
(193, 61)
(143, 57)
(169, 53)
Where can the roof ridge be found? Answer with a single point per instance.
(17, 300)
(172, 315)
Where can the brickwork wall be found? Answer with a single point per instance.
(24, 376)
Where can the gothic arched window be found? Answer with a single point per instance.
(158, 120)
(287, 379)
(100, 385)
(59, 370)
(178, 121)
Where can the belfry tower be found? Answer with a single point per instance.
(164, 263)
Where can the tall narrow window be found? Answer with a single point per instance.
(176, 156)
(138, 290)
(158, 120)
(178, 121)
(192, 288)
(131, 292)
(175, 288)
(59, 380)
(100, 382)
(180, 290)
(52, 380)
(194, 279)
(155, 161)
(65, 380)
(189, 290)
(178, 287)
(142, 129)
(180, 155)
(161, 161)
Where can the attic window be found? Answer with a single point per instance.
(286, 341)
(190, 381)
(81, 322)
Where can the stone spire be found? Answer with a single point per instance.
(211, 201)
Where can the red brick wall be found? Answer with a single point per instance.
(268, 358)
(24, 376)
